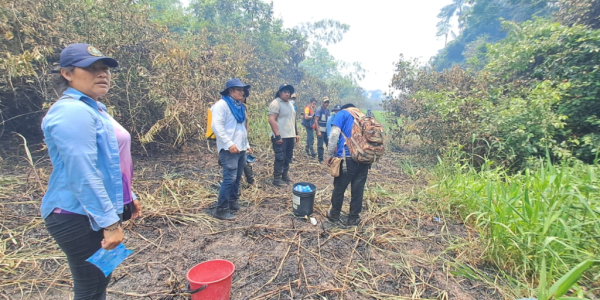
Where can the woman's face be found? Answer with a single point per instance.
(93, 81)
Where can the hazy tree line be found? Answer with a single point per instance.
(174, 59)
(520, 80)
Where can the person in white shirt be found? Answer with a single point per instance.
(229, 125)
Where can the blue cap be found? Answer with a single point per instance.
(337, 108)
(250, 158)
(235, 82)
(83, 55)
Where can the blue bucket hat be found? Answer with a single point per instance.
(285, 86)
(83, 55)
(235, 82)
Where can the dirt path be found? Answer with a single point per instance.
(399, 251)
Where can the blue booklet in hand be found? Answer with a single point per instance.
(108, 260)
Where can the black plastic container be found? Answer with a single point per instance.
(302, 203)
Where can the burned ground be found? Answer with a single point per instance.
(401, 250)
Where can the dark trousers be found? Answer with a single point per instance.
(320, 140)
(249, 173)
(75, 237)
(356, 175)
(310, 140)
(283, 156)
(233, 167)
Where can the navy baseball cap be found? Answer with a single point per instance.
(235, 82)
(337, 108)
(83, 55)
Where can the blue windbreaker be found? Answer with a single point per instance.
(86, 176)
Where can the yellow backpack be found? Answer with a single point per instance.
(210, 135)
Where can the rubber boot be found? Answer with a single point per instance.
(353, 221)
(285, 178)
(278, 182)
(234, 206)
(224, 214)
(333, 217)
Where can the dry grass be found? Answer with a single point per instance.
(398, 252)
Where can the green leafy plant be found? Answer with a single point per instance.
(536, 223)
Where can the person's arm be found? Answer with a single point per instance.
(247, 128)
(247, 134)
(296, 129)
(219, 112)
(76, 143)
(307, 114)
(329, 122)
(316, 122)
(332, 147)
(273, 123)
(273, 115)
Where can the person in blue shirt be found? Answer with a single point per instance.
(330, 120)
(83, 204)
(351, 172)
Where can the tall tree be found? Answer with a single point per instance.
(455, 9)
(484, 18)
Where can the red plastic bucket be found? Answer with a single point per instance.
(211, 280)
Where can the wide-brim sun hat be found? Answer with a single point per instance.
(286, 86)
(235, 82)
(83, 55)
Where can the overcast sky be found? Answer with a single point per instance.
(379, 31)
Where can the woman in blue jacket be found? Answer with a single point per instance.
(91, 178)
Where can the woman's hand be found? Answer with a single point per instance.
(137, 210)
(112, 238)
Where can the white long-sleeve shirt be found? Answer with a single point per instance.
(226, 128)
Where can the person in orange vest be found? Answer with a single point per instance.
(307, 122)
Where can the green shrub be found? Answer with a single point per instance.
(541, 220)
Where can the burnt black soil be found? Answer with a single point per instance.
(399, 251)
